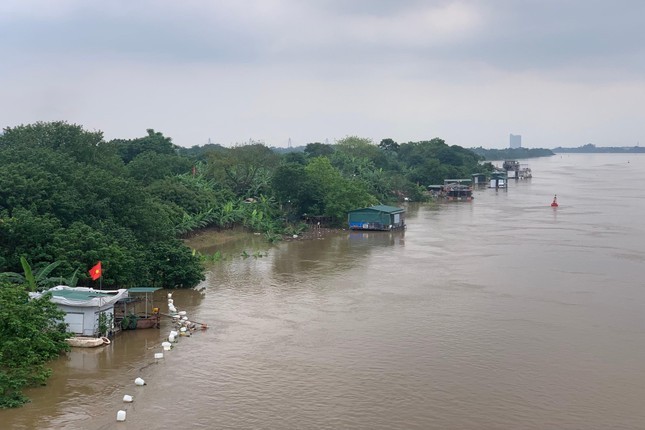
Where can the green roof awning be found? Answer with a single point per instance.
(143, 289)
(80, 295)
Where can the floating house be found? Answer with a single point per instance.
(479, 179)
(525, 172)
(435, 190)
(498, 180)
(515, 170)
(511, 165)
(457, 190)
(453, 190)
(82, 306)
(378, 217)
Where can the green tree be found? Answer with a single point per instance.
(173, 266)
(149, 166)
(345, 197)
(358, 147)
(245, 169)
(66, 196)
(59, 136)
(388, 145)
(184, 195)
(32, 334)
(154, 142)
(430, 162)
(295, 158)
(289, 186)
(318, 149)
(26, 234)
(331, 194)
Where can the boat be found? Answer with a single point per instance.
(152, 321)
(87, 342)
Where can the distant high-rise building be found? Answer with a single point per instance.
(515, 141)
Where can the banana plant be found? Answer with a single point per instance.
(34, 280)
(71, 281)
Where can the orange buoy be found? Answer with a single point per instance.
(554, 204)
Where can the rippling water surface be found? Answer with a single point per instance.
(501, 313)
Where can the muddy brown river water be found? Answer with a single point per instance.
(501, 313)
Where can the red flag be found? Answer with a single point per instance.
(96, 272)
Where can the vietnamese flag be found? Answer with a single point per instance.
(96, 272)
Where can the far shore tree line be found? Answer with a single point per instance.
(591, 148)
(69, 198)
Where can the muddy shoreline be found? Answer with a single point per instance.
(213, 236)
(314, 233)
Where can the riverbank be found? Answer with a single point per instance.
(212, 237)
(314, 233)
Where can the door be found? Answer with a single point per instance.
(75, 322)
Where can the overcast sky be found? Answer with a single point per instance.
(557, 72)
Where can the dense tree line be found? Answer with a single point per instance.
(591, 148)
(69, 198)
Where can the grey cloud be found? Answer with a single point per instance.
(326, 68)
(544, 34)
(513, 35)
(158, 35)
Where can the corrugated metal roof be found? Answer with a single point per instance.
(73, 294)
(143, 289)
(82, 296)
(382, 208)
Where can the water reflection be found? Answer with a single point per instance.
(331, 255)
(88, 360)
(376, 238)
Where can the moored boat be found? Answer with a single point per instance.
(152, 321)
(87, 342)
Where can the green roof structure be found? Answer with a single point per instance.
(143, 289)
(379, 217)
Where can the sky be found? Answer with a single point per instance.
(557, 72)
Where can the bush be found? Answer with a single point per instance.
(32, 334)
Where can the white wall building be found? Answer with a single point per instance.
(82, 306)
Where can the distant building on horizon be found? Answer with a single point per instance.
(515, 141)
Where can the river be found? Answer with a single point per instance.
(500, 313)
